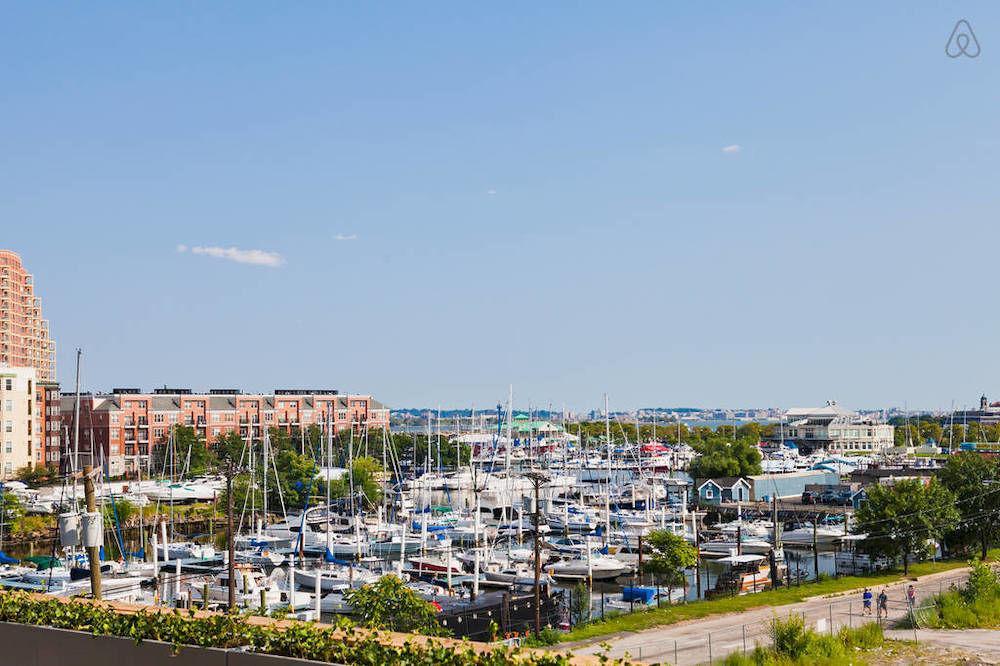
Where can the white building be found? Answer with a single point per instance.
(19, 422)
(834, 429)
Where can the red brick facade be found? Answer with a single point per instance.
(127, 425)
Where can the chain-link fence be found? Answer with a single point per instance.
(717, 643)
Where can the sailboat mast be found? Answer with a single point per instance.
(76, 426)
(267, 441)
(329, 457)
(607, 493)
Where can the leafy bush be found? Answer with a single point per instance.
(794, 644)
(546, 637)
(976, 605)
(389, 604)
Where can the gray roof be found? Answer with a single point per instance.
(165, 403)
(724, 481)
(218, 403)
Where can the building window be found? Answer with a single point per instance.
(709, 493)
(9, 426)
(8, 447)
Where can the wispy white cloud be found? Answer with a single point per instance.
(734, 148)
(345, 237)
(491, 191)
(252, 257)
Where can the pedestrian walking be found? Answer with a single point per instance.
(911, 596)
(883, 603)
(866, 599)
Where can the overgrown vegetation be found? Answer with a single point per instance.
(794, 644)
(342, 644)
(973, 606)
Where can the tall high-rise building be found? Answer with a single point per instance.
(24, 334)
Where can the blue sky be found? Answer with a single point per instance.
(461, 196)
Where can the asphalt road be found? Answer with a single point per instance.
(700, 641)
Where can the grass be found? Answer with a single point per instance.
(795, 644)
(655, 617)
(975, 606)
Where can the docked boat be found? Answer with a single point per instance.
(601, 567)
(742, 574)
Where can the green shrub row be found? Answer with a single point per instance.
(303, 640)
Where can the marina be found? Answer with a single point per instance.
(525, 505)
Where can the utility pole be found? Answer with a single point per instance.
(697, 549)
(93, 554)
(815, 548)
(537, 479)
(776, 541)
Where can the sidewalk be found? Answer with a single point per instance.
(698, 641)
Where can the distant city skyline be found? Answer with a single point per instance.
(699, 205)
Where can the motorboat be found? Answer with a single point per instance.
(599, 567)
(743, 574)
(335, 577)
(574, 545)
(260, 557)
(185, 550)
(436, 564)
(805, 534)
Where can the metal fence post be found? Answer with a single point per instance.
(744, 639)
(676, 662)
(831, 618)
(709, 647)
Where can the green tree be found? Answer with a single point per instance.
(229, 447)
(930, 430)
(718, 457)
(12, 509)
(366, 472)
(296, 476)
(190, 450)
(670, 555)
(389, 605)
(901, 520)
(37, 475)
(969, 476)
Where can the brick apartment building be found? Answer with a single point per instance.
(126, 425)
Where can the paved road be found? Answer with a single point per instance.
(699, 641)
(983, 643)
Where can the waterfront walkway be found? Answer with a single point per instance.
(711, 638)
